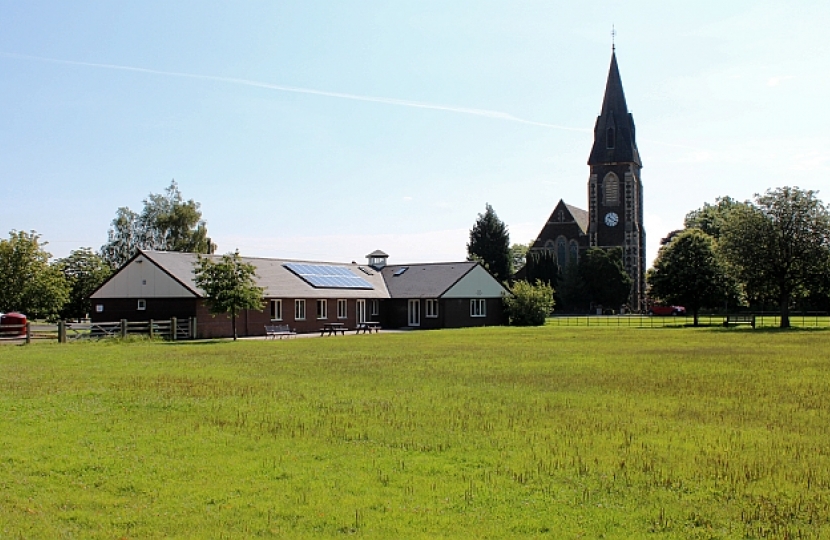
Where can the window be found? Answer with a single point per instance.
(562, 252)
(322, 309)
(611, 189)
(276, 310)
(609, 138)
(574, 252)
(478, 307)
(99, 308)
(342, 309)
(142, 305)
(432, 309)
(375, 307)
(299, 310)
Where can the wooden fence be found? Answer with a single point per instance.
(170, 329)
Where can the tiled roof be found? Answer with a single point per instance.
(424, 280)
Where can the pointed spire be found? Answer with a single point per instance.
(614, 140)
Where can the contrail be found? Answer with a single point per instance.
(498, 115)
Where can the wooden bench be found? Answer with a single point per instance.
(739, 319)
(278, 331)
(333, 328)
(367, 327)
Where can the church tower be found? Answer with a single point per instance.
(615, 192)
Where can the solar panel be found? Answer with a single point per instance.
(323, 276)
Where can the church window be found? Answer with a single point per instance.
(549, 244)
(574, 251)
(611, 189)
(562, 252)
(609, 138)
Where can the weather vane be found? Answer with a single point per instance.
(613, 36)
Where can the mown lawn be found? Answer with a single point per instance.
(481, 433)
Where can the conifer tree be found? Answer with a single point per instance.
(490, 244)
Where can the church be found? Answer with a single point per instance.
(615, 196)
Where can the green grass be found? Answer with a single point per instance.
(482, 433)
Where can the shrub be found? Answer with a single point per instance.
(529, 304)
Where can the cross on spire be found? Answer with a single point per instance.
(613, 36)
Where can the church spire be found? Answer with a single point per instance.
(614, 137)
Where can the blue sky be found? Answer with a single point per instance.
(325, 130)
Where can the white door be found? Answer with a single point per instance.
(414, 313)
(361, 311)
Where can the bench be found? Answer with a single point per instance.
(333, 328)
(739, 319)
(367, 327)
(279, 330)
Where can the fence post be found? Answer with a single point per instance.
(152, 330)
(28, 332)
(193, 328)
(61, 331)
(173, 328)
(123, 328)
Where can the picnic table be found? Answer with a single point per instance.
(367, 326)
(332, 328)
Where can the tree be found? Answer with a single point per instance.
(712, 218)
(528, 305)
(542, 266)
(518, 256)
(28, 283)
(688, 272)
(84, 271)
(571, 289)
(606, 281)
(779, 246)
(229, 285)
(490, 244)
(167, 223)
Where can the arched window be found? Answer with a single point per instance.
(609, 138)
(549, 245)
(562, 252)
(610, 189)
(574, 252)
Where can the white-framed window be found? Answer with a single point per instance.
(478, 307)
(414, 309)
(342, 309)
(99, 308)
(299, 310)
(276, 310)
(375, 309)
(322, 309)
(431, 308)
(142, 304)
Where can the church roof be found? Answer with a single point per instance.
(579, 215)
(620, 145)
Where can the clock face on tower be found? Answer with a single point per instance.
(611, 219)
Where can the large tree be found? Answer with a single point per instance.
(779, 246)
(604, 276)
(711, 218)
(28, 283)
(541, 266)
(688, 272)
(167, 223)
(490, 244)
(229, 285)
(84, 271)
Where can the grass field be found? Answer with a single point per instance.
(484, 433)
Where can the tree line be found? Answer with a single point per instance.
(33, 284)
(773, 250)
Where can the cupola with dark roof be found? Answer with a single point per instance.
(614, 136)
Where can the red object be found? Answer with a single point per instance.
(667, 310)
(17, 320)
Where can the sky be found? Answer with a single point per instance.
(325, 130)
